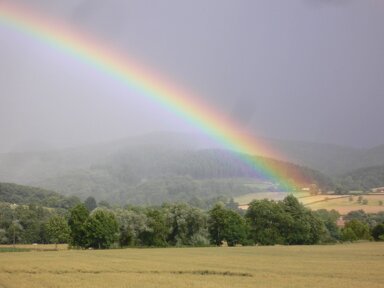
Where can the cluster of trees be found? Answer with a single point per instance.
(265, 222)
(361, 225)
(24, 223)
(283, 222)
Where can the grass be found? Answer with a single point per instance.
(34, 247)
(12, 249)
(347, 265)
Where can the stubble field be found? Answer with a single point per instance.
(347, 265)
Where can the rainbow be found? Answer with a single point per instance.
(147, 84)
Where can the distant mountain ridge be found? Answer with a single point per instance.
(27, 167)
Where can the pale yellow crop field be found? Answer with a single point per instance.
(344, 205)
(340, 203)
(347, 265)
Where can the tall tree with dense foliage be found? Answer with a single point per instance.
(101, 229)
(158, 228)
(226, 225)
(236, 230)
(216, 224)
(58, 230)
(132, 223)
(78, 216)
(268, 222)
(304, 226)
(15, 231)
(332, 231)
(187, 225)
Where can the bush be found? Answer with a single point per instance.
(355, 230)
(378, 232)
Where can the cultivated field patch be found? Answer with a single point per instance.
(342, 203)
(344, 265)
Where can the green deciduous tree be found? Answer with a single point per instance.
(347, 234)
(132, 223)
(332, 231)
(354, 230)
(58, 230)
(236, 230)
(304, 226)
(226, 225)
(15, 231)
(268, 222)
(217, 224)
(158, 229)
(101, 229)
(78, 216)
(187, 225)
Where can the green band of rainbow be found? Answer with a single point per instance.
(137, 78)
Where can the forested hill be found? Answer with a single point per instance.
(177, 167)
(20, 194)
(149, 175)
(363, 178)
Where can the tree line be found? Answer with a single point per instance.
(265, 222)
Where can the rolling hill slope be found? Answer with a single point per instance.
(175, 167)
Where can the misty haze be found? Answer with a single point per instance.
(142, 123)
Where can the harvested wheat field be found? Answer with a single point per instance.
(347, 265)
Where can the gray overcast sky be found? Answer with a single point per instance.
(308, 70)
